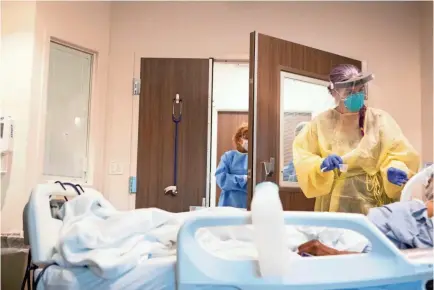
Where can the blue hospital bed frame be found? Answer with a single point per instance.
(385, 267)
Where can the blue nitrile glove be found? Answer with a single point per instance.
(331, 162)
(397, 176)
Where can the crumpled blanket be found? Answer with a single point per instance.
(406, 224)
(111, 242)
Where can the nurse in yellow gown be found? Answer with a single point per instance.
(368, 141)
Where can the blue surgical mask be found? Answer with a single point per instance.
(246, 145)
(355, 102)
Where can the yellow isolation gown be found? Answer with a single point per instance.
(365, 184)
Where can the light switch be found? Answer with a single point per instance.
(115, 168)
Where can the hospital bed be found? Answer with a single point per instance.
(195, 268)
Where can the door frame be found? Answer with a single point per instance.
(212, 190)
(253, 101)
(213, 193)
(213, 156)
(209, 148)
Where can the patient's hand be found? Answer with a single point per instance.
(316, 248)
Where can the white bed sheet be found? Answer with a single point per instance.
(153, 274)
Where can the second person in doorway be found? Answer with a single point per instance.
(231, 173)
(289, 170)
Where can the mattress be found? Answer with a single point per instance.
(153, 274)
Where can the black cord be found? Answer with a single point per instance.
(61, 184)
(74, 187)
(36, 282)
(26, 277)
(28, 274)
(64, 188)
(81, 188)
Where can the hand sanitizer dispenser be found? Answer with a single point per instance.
(6, 134)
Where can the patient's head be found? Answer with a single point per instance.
(299, 127)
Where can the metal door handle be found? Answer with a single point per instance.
(269, 168)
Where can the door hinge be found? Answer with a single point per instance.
(136, 87)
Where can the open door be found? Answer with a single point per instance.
(162, 80)
(288, 86)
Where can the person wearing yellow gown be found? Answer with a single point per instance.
(352, 158)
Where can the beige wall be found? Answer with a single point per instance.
(426, 44)
(383, 34)
(386, 35)
(16, 70)
(84, 24)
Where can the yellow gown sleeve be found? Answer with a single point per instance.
(398, 153)
(307, 163)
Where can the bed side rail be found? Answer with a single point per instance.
(384, 264)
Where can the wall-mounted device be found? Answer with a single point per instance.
(6, 134)
(133, 185)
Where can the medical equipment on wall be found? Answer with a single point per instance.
(176, 118)
(270, 241)
(6, 134)
(6, 142)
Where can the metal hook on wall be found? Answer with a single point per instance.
(177, 102)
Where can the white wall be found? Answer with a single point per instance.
(231, 87)
(26, 31)
(16, 72)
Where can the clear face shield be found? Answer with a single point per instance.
(353, 85)
(353, 91)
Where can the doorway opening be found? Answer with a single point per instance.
(230, 109)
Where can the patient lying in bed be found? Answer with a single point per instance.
(409, 225)
(110, 242)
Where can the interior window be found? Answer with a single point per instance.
(302, 99)
(67, 115)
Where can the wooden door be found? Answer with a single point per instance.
(270, 56)
(227, 124)
(161, 80)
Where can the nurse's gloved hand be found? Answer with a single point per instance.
(331, 162)
(397, 176)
